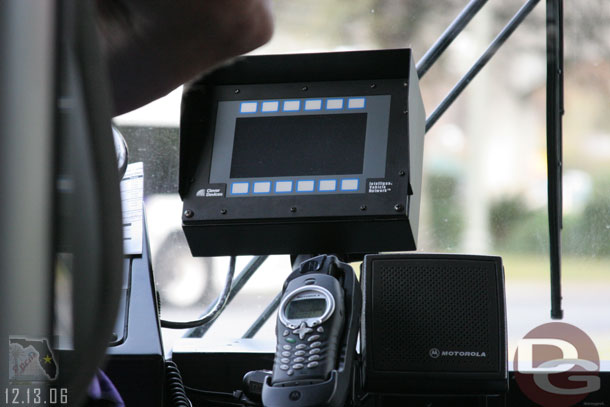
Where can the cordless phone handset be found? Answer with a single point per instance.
(317, 329)
(309, 327)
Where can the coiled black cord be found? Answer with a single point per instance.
(176, 394)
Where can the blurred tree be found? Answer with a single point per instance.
(504, 217)
(594, 228)
(445, 215)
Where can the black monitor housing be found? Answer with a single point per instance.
(303, 153)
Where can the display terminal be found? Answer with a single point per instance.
(303, 153)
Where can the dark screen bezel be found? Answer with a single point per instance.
(307, 206)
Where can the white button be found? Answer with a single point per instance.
(270, 106)
(356, 103)
(305, 186)
(328, 185)
(334, 104)
(248, 107)
(302, 331)
(316, 344)
(286, 354)
(315, 104)
(262, 187)
(311, 365)
(348, 185)
(283, 186)
(292, 105)
(285, 360)
(238, 188)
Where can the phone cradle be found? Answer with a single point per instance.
(334, 391)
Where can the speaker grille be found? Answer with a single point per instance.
(422, 305)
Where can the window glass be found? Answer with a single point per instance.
(484, 164)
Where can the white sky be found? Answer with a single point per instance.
(163, 112)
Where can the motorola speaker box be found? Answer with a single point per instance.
(434, 324)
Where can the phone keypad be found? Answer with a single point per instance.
(301, 352)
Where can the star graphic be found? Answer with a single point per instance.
(47, 359)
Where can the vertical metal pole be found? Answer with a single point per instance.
(554, 113)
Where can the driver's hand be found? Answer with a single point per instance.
(153, 46)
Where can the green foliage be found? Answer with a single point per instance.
(591, 235)
(587, 234)
(528, 234)
(504, 217)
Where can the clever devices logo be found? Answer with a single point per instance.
(557, 364)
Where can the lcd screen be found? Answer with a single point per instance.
(303, 309)
(279, 146)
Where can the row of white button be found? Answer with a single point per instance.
(264, 187)
(295, 105)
